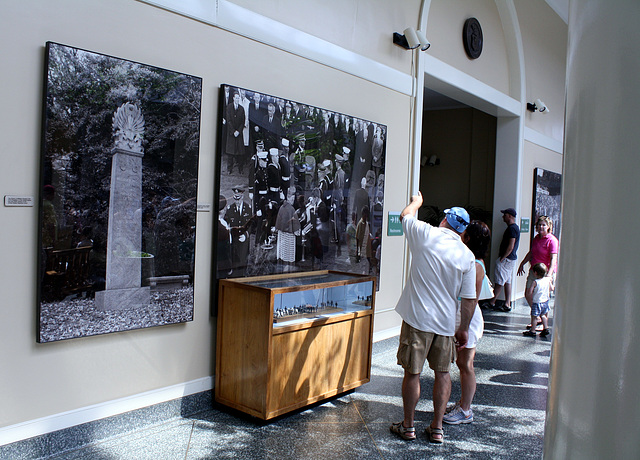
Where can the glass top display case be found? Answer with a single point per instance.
(301, 297)
(273, 333)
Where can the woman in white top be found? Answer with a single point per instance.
(477, 237)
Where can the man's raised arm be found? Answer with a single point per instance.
(412, 208)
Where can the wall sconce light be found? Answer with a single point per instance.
(433, 160)
(537, 105)
(411, 39)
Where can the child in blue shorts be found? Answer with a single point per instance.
(537, 296)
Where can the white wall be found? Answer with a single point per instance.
(46, 380)
(544, 63)
(446, 20)
(52, 378)
(361, 26)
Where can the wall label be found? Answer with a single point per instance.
(524, 225)
(18, 201)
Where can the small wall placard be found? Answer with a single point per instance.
(18, 201)
(394, 227)
(524, 225)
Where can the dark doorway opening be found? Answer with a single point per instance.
(457, 166)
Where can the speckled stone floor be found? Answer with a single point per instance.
(509, 412)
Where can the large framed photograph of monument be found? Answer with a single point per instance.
(547, 189)
(117, 212)
(300, 187)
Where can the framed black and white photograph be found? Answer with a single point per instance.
(300, 187)
(547, 188)
(118, 195)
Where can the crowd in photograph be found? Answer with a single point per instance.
(299, 186)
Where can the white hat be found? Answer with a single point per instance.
(262, 155)
(285, 142)
(273, 152)
(346, 150)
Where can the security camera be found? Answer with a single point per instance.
(412, 37)
(537, 105)
(541, 106)
(424, 43)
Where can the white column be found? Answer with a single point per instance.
(593, 408)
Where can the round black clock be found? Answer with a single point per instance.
(472, 38)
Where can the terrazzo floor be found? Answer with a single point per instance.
(509, 413)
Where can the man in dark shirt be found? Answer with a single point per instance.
(234, 119)
(506, 262)
(272, 128)
(257, 112)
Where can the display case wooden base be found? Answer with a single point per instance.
(267, 368)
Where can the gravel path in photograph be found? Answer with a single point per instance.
(78, 317)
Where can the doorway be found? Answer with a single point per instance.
(457, 162)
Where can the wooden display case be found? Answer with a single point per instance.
(287, 341)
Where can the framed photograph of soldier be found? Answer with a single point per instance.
(300, 187)
(547, 191)
(117, 211)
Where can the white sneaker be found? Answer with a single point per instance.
(458, 416)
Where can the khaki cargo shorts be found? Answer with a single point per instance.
(417, 346)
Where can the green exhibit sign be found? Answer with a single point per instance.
(394, 228)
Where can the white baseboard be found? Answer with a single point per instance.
(75, 417)
(44, 425)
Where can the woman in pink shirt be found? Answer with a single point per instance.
(544, 249)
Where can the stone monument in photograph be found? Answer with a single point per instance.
(123, 288)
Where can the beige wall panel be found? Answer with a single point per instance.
(544, 38)
(53, 378)
(444, 30)
(363, 26)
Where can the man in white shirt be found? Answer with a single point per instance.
(442, 270)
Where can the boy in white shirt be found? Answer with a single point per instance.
(537, 296)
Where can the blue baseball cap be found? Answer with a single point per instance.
(458, 218)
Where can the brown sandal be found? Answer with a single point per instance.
(408, 434)
(433, 432)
